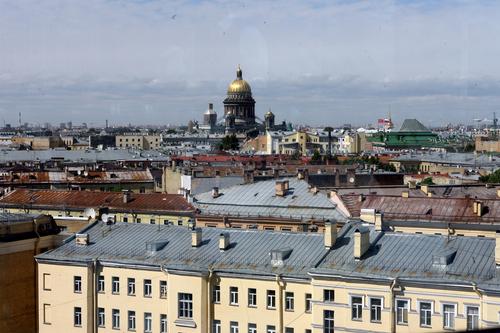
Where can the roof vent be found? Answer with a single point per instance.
(223, 241)
(444, 257)
(279, 256)
(82, 239)
(155, 246)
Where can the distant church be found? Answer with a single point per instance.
(239, 111)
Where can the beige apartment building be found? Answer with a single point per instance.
(362, 278)
(138, 141)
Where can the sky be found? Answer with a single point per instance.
(310, 62)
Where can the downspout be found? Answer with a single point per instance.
(209, 300)
(478, 292)
(36, 246)
(393, 303)
(279, 281)
(94, 295)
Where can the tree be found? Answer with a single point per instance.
(493, 177)
(229, 142)
(427, 181)
(316, 156)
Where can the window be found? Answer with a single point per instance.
(163, 323)
(233, 295)
(101, 319)
(271, 299)
(100, 284)
(216, 294)
(402, 311)
(77, 318)
(233, 327)
(252, 297)
(308, 303)
(308, 330)
(148, 322)
(179, 222)
(131, 286)
(216, 326)
(138, 220)
(166, 222)
(116, 318)
(328, 319)
(185, 305)
(289, 330)
(46, 314)
(163, 289)
(270, 329)
(131, 321)
(289, 301)
(252, 328)
(148, 288)
(425, 309)
(46, 281)
(328, 295)
(152, 221)
(125, 219)
(448, 315)
(375, 309)
(356, 307)
(115, 285)
(472, 318)
(77, 284)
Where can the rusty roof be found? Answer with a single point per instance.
(424, 208)
(75, 178)
(144, 202)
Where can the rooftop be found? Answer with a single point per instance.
(146, 202)
(260, 200)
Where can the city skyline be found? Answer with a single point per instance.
(335, 63)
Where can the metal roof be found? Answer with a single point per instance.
(89, 156)
(51, 177)
(415, 257)
(259, 199)
(56, 199)
(410, 256)
(248, 252)
(413, 125)
(457, 159)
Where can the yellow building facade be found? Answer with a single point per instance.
(214, 280)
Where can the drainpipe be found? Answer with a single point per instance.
(209, 300)
(280, 283)
(478, 292)
(393, 305)
(94, 295)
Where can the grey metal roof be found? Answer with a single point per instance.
(248, 253)
(413, 125)
(205, 184)
(410, 256)
(417, 258)
(91, 156)
(462, 159)
(259, 199)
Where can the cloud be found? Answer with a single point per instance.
(306, 60)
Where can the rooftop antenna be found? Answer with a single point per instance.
(495, 123)
(20, 119)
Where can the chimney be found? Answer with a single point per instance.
(424, 188)
(361, 197)
(405, 194)
(215, 192)
(126, 196)
(196, 237)
(361, 241)
(412, 184)
(378, 221)
(223, 241)
(498, 193)
(280, 188)
(82, 239)
(479, 208)
(300, 174)
(330, 234)
(276, 173)
(497, 248)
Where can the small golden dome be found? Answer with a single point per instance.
(239, 85)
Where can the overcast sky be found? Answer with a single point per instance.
(316, 62)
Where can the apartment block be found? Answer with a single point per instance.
(363, 278)
(138, 141)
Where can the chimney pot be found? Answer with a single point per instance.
(330, 236)
(196, 237)
(223, 241)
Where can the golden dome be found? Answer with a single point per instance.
(239, 85)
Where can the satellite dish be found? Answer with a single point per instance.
(90, 213)
(105, 217)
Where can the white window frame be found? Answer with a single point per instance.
(308, 302)
(271, 299)
(77, 316)
(324, 294)
(216, 294)
(408, 303)
(351, 305)
(185, 306)
(216, 326)
(233, 295)
(131, 321)
(148, 322)
(77, 284)
(101, 284)
(252, 328)
(289, 301)
(115, 281)
(252, 297)
(115, 318)
(130, 286)
(466, 315)
(148, 288)
(445, 326)
(270, 329)
(101, 317)
(163, 323)
(370, 298)
(234, 327)
(419, 311)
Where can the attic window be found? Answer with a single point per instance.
(155, 246)
(278, 256)
(444, 257)
(113, 175)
